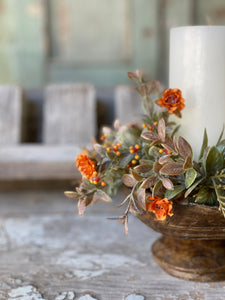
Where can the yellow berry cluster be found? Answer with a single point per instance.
(134, 150)
(150, 127)
(165, 151)
(115, 148)
(95, 179)
(103, 137)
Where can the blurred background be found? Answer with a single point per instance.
(48, 46)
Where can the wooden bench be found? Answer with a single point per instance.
(69, 123)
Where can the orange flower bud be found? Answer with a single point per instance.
(172, 99)
(161, 207)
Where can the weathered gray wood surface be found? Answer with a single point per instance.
(11, 115)
(127, 104)
(47, 252)
(30, 161)
(69, 114)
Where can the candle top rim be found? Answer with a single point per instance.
(198, 27)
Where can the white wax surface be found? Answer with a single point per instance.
(197, 68)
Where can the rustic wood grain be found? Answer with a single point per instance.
(38, 162)
(11, 115)
(69, 114)
(48, 250)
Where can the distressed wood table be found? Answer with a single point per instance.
(48, 252)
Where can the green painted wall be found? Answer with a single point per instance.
(96, 41)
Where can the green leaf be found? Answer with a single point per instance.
(219, 186)
(110, 154)
(125, 160)
(190, 176)
(176, 129)
(206, 196)
(154, 152)
(191, 188)
(100, 149)
(214, 161)
(156, 187)
(170, 194)
(204, 144)
(220, 137)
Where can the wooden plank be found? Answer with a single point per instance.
(69, 114)
(127, 104)
(38, 162)
(11, 114)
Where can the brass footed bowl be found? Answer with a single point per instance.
(192, 246)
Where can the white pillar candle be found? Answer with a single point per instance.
(197, 68)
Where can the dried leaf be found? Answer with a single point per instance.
(167, 183)
(168, 144)
(136, 175)
(172, 169)
(143, 168)
(141, 198)
(188, 163)
(100, 195)
(157, 142)
(149, 182)
(144, 89)
(129, 180)
(150, 135)
(162, 130)
(165, 159)
(133, 76)
(81, 206)
(184, 148)
(72, 195)
(157, 167)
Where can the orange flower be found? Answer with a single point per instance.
(161, 207)
(85, 165)
(172, 99)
